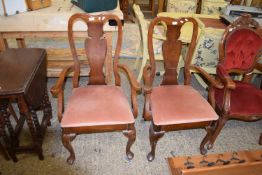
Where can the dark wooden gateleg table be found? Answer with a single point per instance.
(23, 80)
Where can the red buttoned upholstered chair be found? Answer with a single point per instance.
(239, 51)
(171, 106)
(96, 107)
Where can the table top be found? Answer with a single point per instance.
(17, 68)
(210, 21)
(53, 18)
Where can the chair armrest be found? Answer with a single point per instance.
(211, 80)
(131, 77)
(60, 82)
(57, 90)
(224, 76)
(147, 73)
(258, 66)
(135, 87)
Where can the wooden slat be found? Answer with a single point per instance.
(54, 67)
(47, 34)
(65, 54)
(251, 166)
(20, 43)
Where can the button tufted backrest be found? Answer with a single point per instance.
(242, 47)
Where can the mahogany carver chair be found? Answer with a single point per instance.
(171, 106)
(239, 52)
(98, 106)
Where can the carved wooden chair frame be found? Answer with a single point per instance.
(243, 22)
(170, 75)
(96, 77)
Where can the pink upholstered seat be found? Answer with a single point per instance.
(246, 99)
(178, 104)
(96, 105)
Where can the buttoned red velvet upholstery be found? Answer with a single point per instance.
(241, 49)
(246, 99)
(97, 105)
(178, 104)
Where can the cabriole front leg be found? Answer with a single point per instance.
(155, 134)
(66, 140)
(205, 141)
(130, 133)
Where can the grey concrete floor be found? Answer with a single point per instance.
(104, 153)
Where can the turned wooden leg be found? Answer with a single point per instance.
(9, 141)
(130, 133)
(3, 151)
(260, 139)
(206, 139)
(218, 127)
(47, 108)
(155, 134)
(25, 112)
(66, 140)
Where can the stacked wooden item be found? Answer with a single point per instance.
(240, 163)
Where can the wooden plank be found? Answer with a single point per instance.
(3, 43)
(47, 34)
(252, 164)
(54, 67)
(64, 53)
(253, 168)
(20, 43)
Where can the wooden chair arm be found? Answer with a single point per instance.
(224, 76)
(258, 66)
(147, 79)
(213, 81)
(57, 90)
(60, 82)
(135, 87)
(131, 77)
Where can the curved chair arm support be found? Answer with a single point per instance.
(135, 87)
(147, 76)
(258, 66)
(130, 76)
(224, 76)
(211, 80)
(57, 90)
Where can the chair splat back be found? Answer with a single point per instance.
(240, 46)
(95, 47)
(172, 48)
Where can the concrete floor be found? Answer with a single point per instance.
(104, 153)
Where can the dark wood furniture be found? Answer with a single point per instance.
(23, 79)
(171, 106)
(240, 163)
(239, 52)
(98, 106)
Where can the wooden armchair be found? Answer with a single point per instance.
(170, 106)
(239, 51)
(96, 107)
